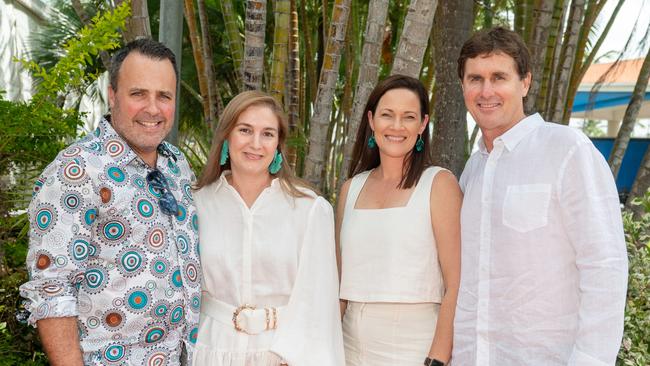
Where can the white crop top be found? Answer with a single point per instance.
(389, 255)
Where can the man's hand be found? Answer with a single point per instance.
(60, 338)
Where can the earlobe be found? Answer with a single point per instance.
(425, 121)
(111, 97)
(527, 80)
(370, 122)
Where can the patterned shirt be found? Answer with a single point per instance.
(102, 250)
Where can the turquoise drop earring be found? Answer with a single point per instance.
(419, 144)
(276, 164)
(372, 143)
(224, 153)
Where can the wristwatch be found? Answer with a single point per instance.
(433, 362)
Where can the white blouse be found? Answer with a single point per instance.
(390, 254)
(278, 253)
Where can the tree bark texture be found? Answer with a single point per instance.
(197, 52)
(630, 117)
(293, 109)
(640, 185)
(368, 74)
(553, 49)
(234, 37)
(215, 104)
(581, 63)
(453, 26)
(255, 26)
(541, 23)
(315, 163)
(415, 36)
(137, 25)
(565, 68)
(280, 55)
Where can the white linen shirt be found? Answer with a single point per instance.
(544, 263)
(279, 252)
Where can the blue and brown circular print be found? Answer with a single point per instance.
(45, 218)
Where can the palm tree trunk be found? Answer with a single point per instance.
(254, 44)
(137, 25)
(529, 20)
(233, 34)
(293, 110)
(280, 56)
(629, 119)
(414, 38)
(453, 26)
(640, 185)
(554, 47)
(197, 52)
(567, 56)
(520, 15)
(312, 79)
(541, 23)
(345, 106)
(314, 166)
(555, 61)
(580, 67)
(368, 74)
(215, 103)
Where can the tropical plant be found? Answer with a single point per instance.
(33, 133)
(635, 349)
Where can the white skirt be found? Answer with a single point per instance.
(219, 344)
(390, 334)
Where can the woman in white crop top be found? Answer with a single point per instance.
(398, 236)
(267, 249)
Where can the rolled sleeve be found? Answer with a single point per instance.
(592, 219)
(60, 217)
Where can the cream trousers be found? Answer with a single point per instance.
(395, 334)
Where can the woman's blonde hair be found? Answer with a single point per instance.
(212, 170)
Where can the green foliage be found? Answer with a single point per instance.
(33, 133)
(635, 350)
(592, 128)
(69, 72)
(36, 130)
(19, 343)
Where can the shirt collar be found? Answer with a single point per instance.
(222, 181)
(516, 133)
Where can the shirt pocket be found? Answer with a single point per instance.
(525, 207)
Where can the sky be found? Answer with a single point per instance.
(622, 27)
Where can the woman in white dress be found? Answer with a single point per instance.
(398, 225)
(270, 285)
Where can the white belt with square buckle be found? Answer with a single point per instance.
(246, 318)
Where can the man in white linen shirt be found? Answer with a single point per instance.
(544, 264)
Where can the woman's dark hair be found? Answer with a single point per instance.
(365, 158)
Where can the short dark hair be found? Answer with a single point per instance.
(144, 46)
(364, 158)
(493, 40)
